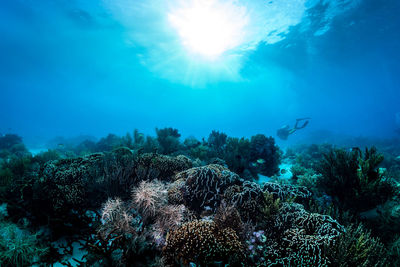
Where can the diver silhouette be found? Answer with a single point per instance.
(284, 132)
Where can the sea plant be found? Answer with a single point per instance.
(168, 138)
(354, 179)
(18, 247)
(356, 247)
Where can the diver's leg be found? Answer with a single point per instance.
(302, 126)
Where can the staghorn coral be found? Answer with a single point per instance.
(205, 185)
(202, 243)
(149, 166)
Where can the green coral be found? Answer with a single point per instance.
(354, 179)
(18, 247)
(356, 247)
(168, 139)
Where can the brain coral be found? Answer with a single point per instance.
(303, 237)
(286, 191)
(248, 199)
(65, 182)
(202, 243)
(205, 185)
(151, 166)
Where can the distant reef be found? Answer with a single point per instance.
(140, 200)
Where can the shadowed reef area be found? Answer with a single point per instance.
(162, 200)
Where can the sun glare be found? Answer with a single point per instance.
(209, 27)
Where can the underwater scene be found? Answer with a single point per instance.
(196, 133)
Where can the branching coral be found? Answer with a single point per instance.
(202, 243)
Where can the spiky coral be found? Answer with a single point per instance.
(116, 218)
(149, 197)
(168, 219)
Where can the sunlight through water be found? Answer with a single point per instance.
(209, 27)
(201, 42)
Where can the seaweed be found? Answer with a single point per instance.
(354, 180)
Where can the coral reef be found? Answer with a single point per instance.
(168, 138)
(205, 185)
(64, 183)
(149, 197)
(151, 166)
(18, 247)
(356, 247)
(248, 199)
(202, 243)
(354, 179)
(294, 238)
(286, 192)
(139, 200)
(264, 148)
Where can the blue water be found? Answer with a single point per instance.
(94, 67)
